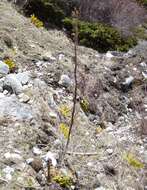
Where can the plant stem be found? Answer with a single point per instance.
(76, 85)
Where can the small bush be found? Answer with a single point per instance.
(100, 36)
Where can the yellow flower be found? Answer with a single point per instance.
(10, 63)
(38, 23)
(63, 181)
(64, 129)
(65, 111)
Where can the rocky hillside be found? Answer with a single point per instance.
(108, 147)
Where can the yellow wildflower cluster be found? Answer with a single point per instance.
(64, 129)
(65, 111)
(38, 23)
(63, 181)
(10, 63)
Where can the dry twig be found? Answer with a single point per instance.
(76, 15)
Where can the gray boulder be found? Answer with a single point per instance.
(4, 69)
(11, 108)
(11, 83)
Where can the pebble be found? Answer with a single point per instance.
(39, 63)
(53, 115)
(48, 57)
(144, 74)
(5, 92)
(143, 64)
(109, 55)
(100, 188)
(90, 164)
(65, 81)
(109, 151)
(37, 151)
(29, 160)
(109, 129)
(128, 80)
(61, 56)
(23, 98)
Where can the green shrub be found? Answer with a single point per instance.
(127, 43)
(99, 36)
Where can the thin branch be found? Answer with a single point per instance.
(49, 171)
(83, 153)
(75, 78)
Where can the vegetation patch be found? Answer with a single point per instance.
(38, 23)
(141, 32)
(65, 111)
(49, 11)
(84, 105)
(99, 36)
(11, 64)
(57, 13)
(63, 181)
(132, 161)
(143, 2)
(64, 129)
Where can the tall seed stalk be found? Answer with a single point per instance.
(75, 15)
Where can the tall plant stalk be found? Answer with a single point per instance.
(75, 26)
